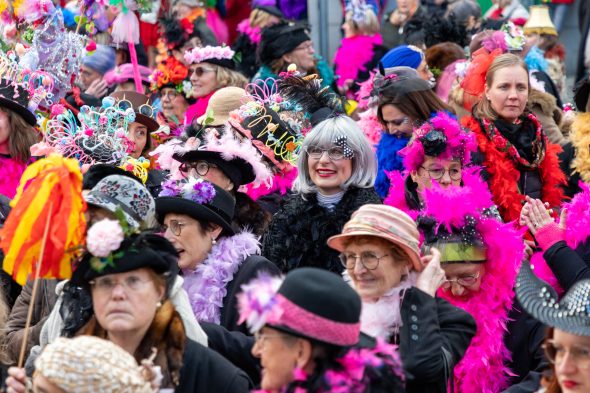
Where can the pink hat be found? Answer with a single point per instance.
(124, 73)
(385, 222)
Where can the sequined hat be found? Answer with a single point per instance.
(570, 314)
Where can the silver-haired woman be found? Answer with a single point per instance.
(336, 173)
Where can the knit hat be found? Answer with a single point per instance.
(102, 60)
(221, 103)
(280, 39)
(311, 303)
(124, 73)
(403, 55)
(117, 192)
(88, 364)
(384, 222)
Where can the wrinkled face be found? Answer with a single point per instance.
(329, 174)
(87, 76)
(278, 358)
(302, 56)
(572, 361)
(43, 385)
(4, 131)
(509, 92)
(138, 134)
(173, 103)
(203, 77)
(190, 241)
(443, 171)
(463, 279)
(372, 284)
(396, 122)
(424, 72)
(126, 303)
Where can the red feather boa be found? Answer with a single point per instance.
(504, 174)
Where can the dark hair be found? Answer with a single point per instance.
(22, 136)
(461, 10)
(249, 214)
(439, 56)
(418, 105)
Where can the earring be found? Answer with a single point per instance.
(159, 304)
(213, 241)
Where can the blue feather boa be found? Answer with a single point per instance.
(388, 160)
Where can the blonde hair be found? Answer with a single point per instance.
(22, 136)
(226, 77)
(483, 109)
(369, 25)
(260, 18)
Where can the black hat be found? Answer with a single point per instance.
(136, 251)
(323, 297)
(270, 9)
(16, 98)
(219, 210)
(581, 94)
(281, 38)
(97, 172)
(570, 314)
(238, 170)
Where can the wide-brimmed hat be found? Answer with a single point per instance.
(221, 103)
(198, 199)
(15, 98)
(141, 105)
(310, 302)
(238, 170)
(385, 222)
(570, 314)
(539, 21)
(118, 192)
(282, 38)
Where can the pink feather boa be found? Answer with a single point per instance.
(281, 183)
(371, 126)
(397, 194)
(353, 55)
(577, 217)
(11, 170)
(252, 32)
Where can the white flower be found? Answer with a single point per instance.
(104, 237)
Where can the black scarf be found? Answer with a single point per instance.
(521, 135)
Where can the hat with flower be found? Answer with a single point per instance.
(441, 136)
(170, 72)
(309, 302)
(199, 199)
(222, 56)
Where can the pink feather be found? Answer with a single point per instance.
(397, 195)
(578, 218)
(363, 95)
(370, 126)
(353, 55)
(544, 272)
(281, 183)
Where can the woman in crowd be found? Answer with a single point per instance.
(438, 152)
(336, 171)
(121, 78)
(210, 68)
(568, 337)
(480, 256)
(329, 354)
(379, 249)
(518, 158)
(289, 43)
(17, 135)
(360, 49)
(405, 101)
(129, 278)
(216, 261)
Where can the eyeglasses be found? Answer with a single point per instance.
(306, 47)
(369, 260)
(438, 173)
(174, 226)
(145, 109)
(334, 153)
(199, 71)
(201, 167)
(464, 281)
(397, 122)
(130, 283)
(556, 354)
(261, 337)
(172, 94)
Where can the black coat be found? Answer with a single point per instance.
(297, 234)
(568, 265)
(247, 49)
(205, 371)
(584, 24)
(573, 178)
(248, 270)
(430, 324)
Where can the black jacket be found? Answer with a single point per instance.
(247, 49)
(248, 270)
(584, 25)
(205, 371)
(429, 325)
(297, 234)
(568, 265)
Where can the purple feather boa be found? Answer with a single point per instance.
(207, 284)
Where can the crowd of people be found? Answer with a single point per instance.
(231, 212)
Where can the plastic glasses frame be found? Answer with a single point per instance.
(344, 260)
(334, 153)
(461, 281)
(202, 167)
(576, 354)
(130, 283)
(444, 170)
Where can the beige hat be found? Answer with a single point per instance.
(87, 364)
(385, 222)
(539, 21)
(221, 103)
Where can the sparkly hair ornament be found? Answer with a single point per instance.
(441, 136)
(196, 190)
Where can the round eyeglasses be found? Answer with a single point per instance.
(438, 173)
(369, 260)
(201, 167)
(334, 153)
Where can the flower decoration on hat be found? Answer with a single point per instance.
(169, 73)
(443, 137)
(257, 302)
(196, 190)
(104, 238)
(199, 55)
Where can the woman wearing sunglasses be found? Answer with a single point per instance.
(480, 257)
(209, 69)
(405, 101)
(379, 249)
(336, 171)
(567, 345)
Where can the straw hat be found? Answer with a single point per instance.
(221, 103)
(539, 22)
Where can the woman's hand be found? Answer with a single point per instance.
(398, 18)
(433, 275)
(16, 381)
(535, 215)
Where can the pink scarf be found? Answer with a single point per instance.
(197, 109)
